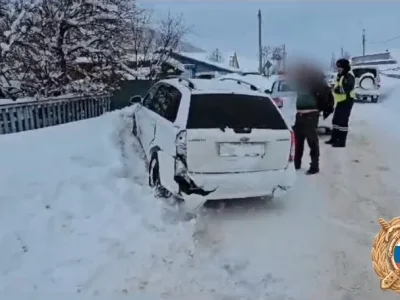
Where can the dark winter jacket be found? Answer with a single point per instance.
(319, 94)
(306, 100)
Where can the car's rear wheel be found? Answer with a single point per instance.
(154, 179)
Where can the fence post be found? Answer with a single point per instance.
(108, 103)
(2, 123)
(93, 105)
(72, 103)
(64, 116)
(50, 114)
(53, 113)
(44, 116)
(31, 119)
(26, 117)
(20, 117)
(5, 121)
(59, 121)
(90, 107)
(11, 111)
(81, 110)
(37, 119)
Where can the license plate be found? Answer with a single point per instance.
(241, 149)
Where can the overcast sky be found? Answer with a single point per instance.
(317, 28)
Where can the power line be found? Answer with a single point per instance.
(386, 41)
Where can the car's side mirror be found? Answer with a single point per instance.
(136, 99)
(268, 91)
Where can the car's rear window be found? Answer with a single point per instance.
(233, 111)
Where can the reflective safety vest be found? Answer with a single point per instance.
(341, 97)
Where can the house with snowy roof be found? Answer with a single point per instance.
(381, 58)
(388, 61)
(198, 62)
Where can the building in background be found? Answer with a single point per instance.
(383, 58)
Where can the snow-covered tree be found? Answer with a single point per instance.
(16, 23)
(274, 55)
(72, 32)
(151, 43)
(79, 46)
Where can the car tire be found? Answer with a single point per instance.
(154, 178)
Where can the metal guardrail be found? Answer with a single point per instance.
(23, 116)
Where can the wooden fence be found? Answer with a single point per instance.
(17, 117)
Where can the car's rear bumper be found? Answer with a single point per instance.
(245, 185)
(366, 95)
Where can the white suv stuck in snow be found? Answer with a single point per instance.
(213, 139)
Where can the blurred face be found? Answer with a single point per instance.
(340, 70)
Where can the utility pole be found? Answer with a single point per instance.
(284, 57)
(260, 43)
(341, 53)
(363, 42)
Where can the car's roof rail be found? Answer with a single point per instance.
(180, 79)
(239, 81)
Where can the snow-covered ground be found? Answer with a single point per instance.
(78, 221)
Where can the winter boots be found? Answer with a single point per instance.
(334, 136)
(340, 142)
(338, 139)
(312, 170)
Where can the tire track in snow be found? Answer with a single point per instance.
(357, 181)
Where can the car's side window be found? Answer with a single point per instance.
(172, 105)
(150, 97)
(167, 102)
(284, 87)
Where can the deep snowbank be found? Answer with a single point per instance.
(72, 204)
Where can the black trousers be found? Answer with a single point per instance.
(340, 122)
(305, 128)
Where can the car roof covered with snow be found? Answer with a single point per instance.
(261, 82)
(216, 86)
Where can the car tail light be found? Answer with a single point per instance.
(278, 102)
(181, 152)
(181, 145)
(292, 146)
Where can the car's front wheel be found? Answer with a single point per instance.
(154, 179)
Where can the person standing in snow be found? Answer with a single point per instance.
(344, 95)
(313, 97)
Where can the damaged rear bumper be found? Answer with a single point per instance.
(216, 186)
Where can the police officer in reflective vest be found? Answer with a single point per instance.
(344, 95)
